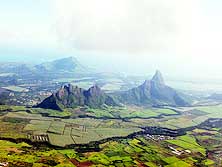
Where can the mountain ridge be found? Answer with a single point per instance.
(68, 64)
(70, 96)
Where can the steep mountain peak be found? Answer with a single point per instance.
(158, 78)
(70, 88)
(153, 92)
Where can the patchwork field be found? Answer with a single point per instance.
(16, 89)
(129, 112)
(62, 132)
(212, 111)
(196, 148)
(23, 154)
(188, 143)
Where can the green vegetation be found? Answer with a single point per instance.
(188, 142)
(22, 154)
(212, 111)
(175, 162)
(16, 123)
(38, 126)
(128, 152)
(203, 131)
(12, 108)
(129, 112)
(64, 132)
(178, 164)
(209, 162)
(52, 113)
(178, 122)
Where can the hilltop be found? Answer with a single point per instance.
(69, 64)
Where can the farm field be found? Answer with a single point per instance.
(62, 132)
(16, 89)
(128, 152)
(141, 151)
(111, 87)
(188, 142)
(193, 148)
(51, 113)
(212, 111)
(23, 154)
(129, 112)
(85, 130)
(83, 84)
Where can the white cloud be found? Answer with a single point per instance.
(176, 36)
(122, 25)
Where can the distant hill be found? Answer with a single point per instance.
(16, 68)
(153, 92)
(70, 96)
(69, 64)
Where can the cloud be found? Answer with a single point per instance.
(122, 25)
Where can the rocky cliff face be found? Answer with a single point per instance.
(70, 96)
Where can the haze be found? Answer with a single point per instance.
(180, 38)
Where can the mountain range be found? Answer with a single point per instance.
(70, 96)
(152, 92)
(69, 64)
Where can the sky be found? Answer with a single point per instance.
(180, 38)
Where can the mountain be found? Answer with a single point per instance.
(64, 65)
(69, 64)
(153, 92)
(158, 78)
(70, 96)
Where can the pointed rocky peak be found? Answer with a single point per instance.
(70, 87)
(158, 78)
(96, 90)
(67, 89)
